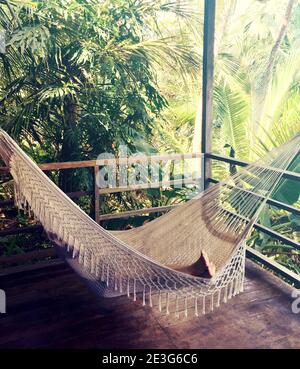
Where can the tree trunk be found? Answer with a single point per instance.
(223, 21)
(266, 79)
(70, 150)
(282, 33)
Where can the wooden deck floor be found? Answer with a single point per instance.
(52, 308)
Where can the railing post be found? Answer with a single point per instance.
(203, 180)
(207, 85)
(95, 200)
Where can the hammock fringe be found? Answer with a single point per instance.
(136, 263)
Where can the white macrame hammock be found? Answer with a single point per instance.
(137, 262)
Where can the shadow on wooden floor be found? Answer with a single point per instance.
(50, 307)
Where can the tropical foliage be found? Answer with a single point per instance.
(256, 103)
(81, 77)
(258, 108)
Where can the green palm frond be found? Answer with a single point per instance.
(232, 113)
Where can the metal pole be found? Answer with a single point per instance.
(207, 87)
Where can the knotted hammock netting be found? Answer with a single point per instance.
(137, 262)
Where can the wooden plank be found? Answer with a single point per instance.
(126, 214)
(5, 203)
(72, 195)
(96, 197)
(144, 159)
(4, 170)
(207, 85)
(13, 272)
(116, 161)
(68, 165)
(78, 194)
(150, 185)
(28, 256)
(21, 230)
(52, 308)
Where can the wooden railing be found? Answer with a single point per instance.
(95, 165)
(279, 269)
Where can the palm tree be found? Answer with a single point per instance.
(258, 100)
(79, 76)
